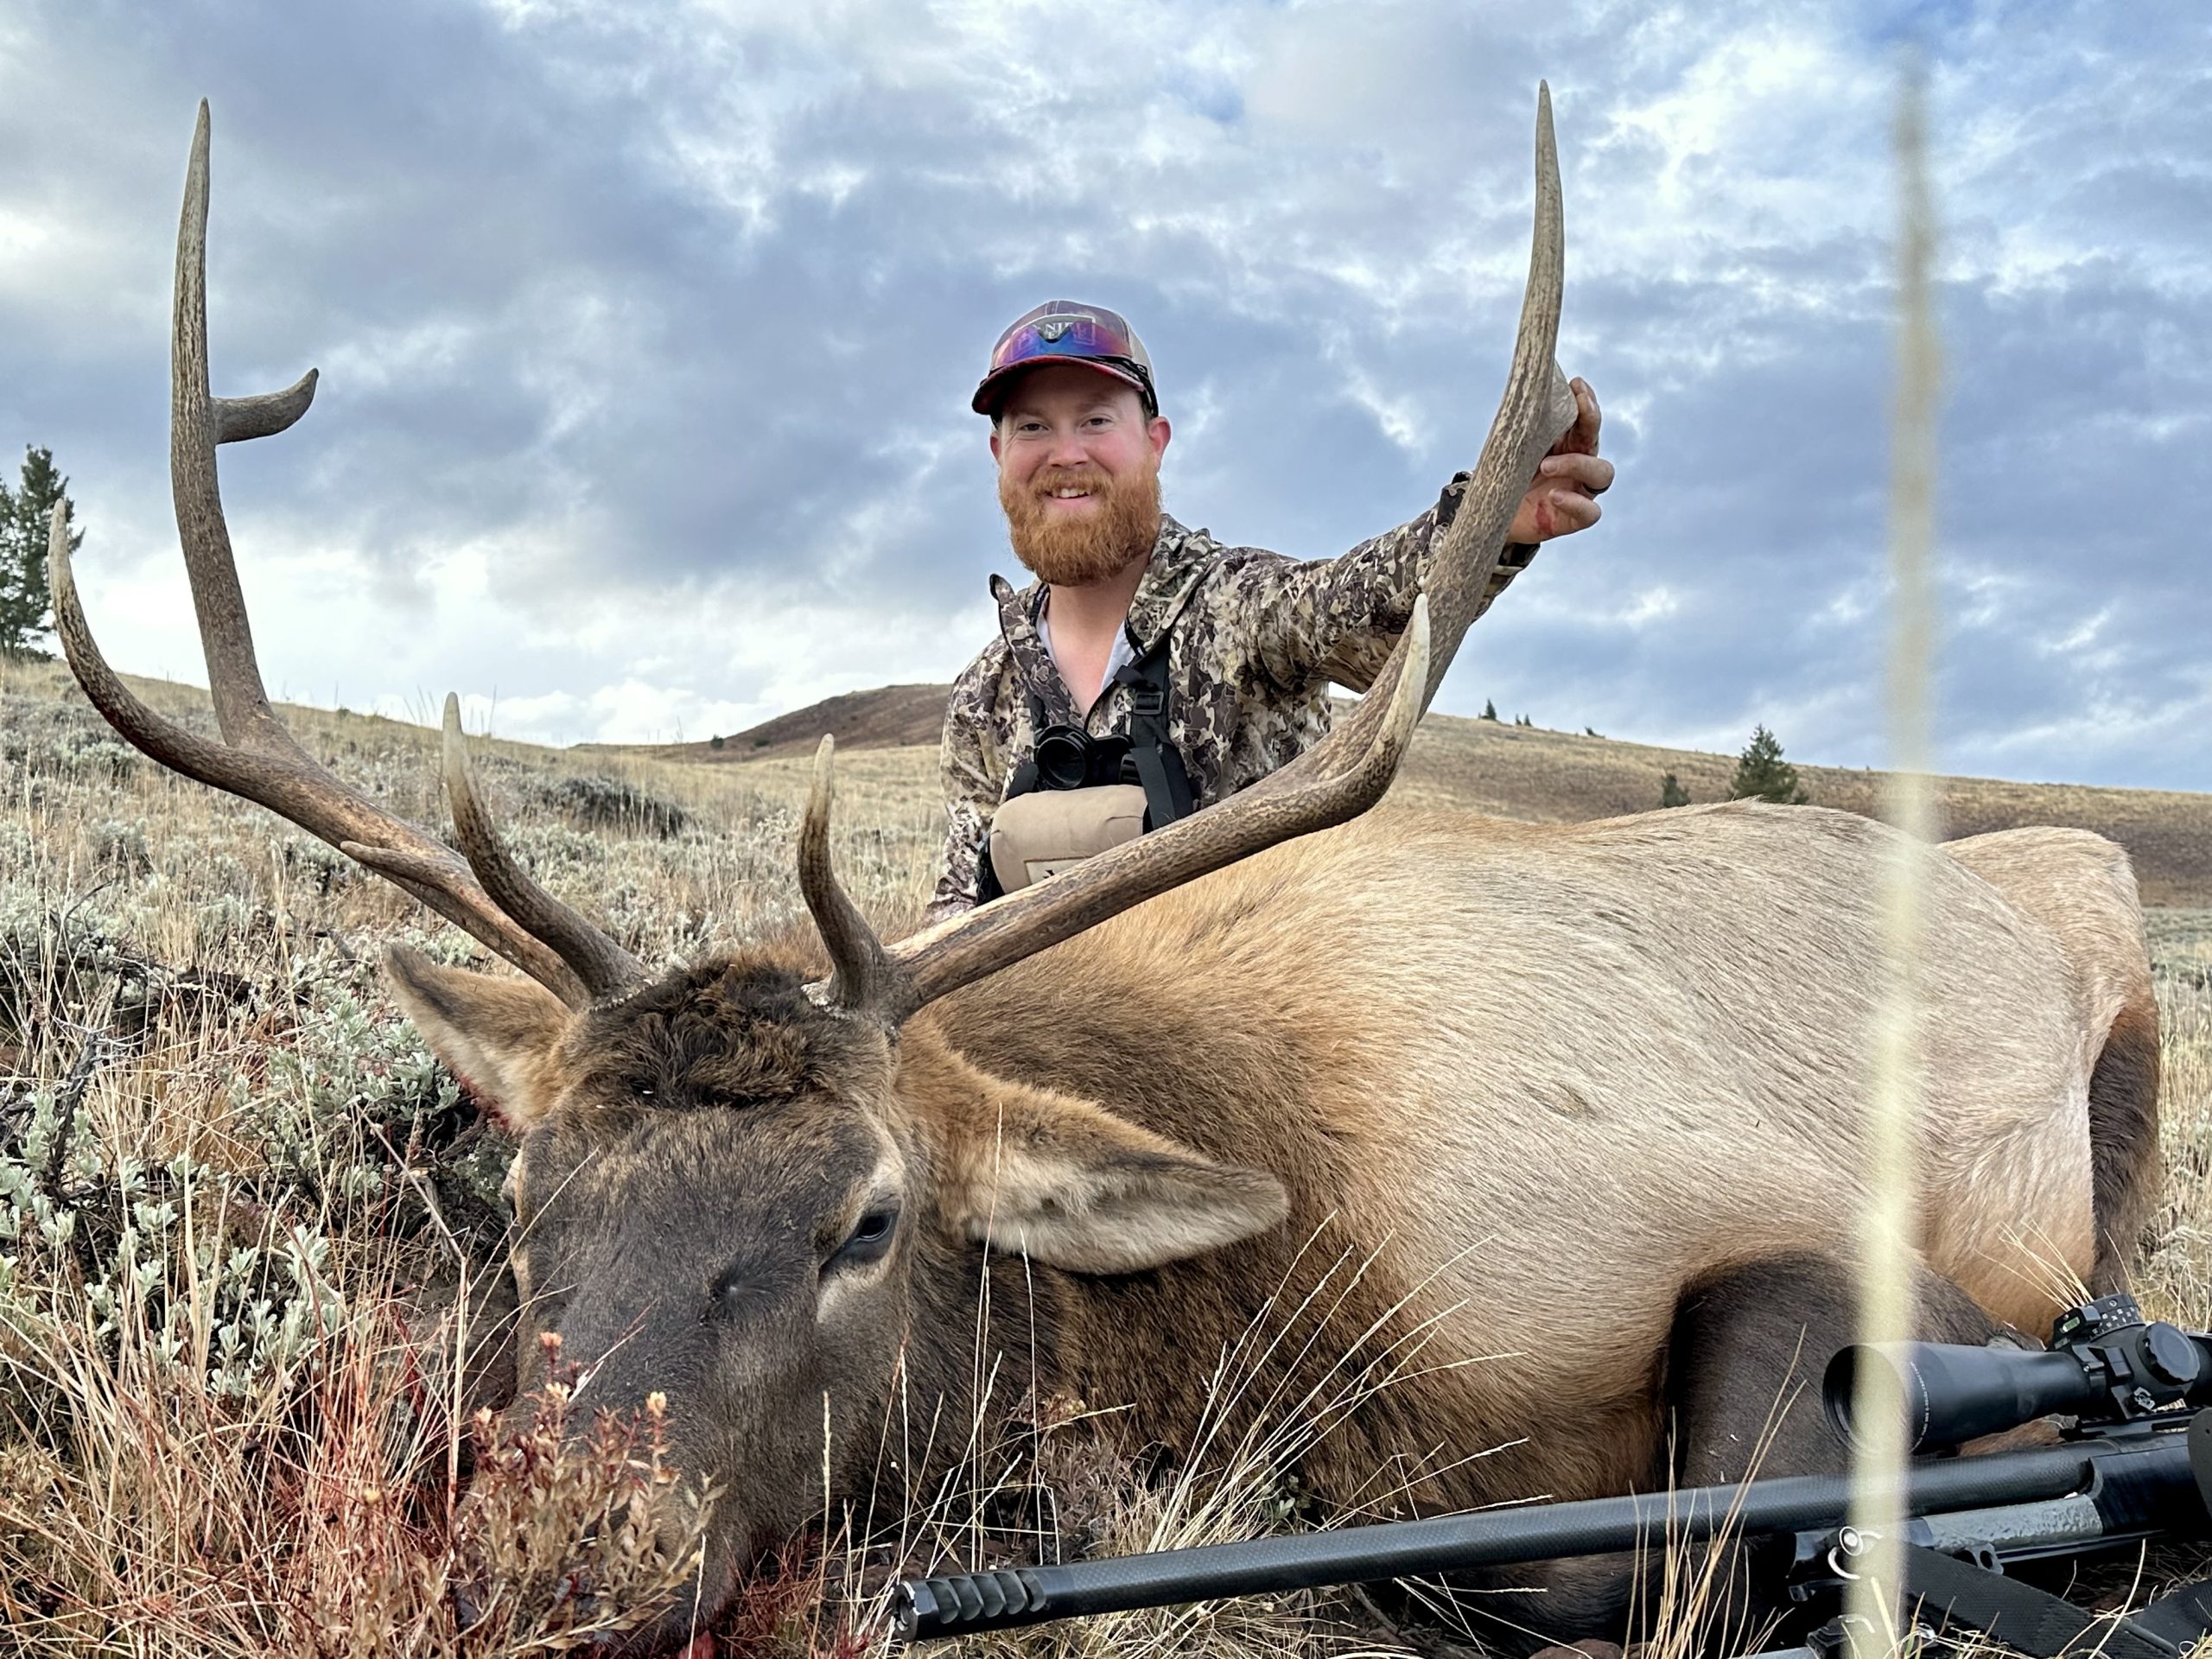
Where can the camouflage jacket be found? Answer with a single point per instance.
(1254, 640)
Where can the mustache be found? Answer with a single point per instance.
(1094, 479)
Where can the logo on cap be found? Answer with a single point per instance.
(1067, 331)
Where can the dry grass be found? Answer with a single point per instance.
(230, 1424)
(2179, 1284)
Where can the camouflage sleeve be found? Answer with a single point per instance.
(1338, 618)
(972, 776)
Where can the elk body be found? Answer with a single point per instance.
(1584, 1099)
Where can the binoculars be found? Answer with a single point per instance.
(1069, 758)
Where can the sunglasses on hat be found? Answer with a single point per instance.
(1063, 331)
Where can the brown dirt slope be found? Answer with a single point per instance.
(1520, 772)
(889, 717)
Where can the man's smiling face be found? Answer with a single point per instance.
(1078, 473)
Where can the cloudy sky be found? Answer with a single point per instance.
(647, 329)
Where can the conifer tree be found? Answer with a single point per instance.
(1762, 775)
(1671, 792)
(25, 515)
(1490, 709)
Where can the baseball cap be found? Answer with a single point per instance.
(1067, 331)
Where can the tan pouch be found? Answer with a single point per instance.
(1042, 833)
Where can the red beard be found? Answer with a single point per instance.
(1068, 551)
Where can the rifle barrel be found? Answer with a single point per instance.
(961, 1603)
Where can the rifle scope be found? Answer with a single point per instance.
(2104, 1365)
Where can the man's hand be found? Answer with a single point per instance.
(1562, 499)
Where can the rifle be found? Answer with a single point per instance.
(2135, 1464)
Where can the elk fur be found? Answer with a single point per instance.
(1548, 1076)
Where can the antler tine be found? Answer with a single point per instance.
(197, 423)
(1536, 408)
(864, 977)
(259, 759)
(265, 413)
(604, 967)
(1337, 779)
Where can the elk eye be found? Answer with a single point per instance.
(870, 1239)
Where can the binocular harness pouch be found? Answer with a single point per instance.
(1047, 822)
(1041, 833)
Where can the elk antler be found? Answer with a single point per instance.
(865, 976)
(1338, 779)
(258, 757)
(1536, 408)
(603, 966)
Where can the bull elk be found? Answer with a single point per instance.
(1580, 1098)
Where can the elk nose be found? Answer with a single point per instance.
(467, 1610)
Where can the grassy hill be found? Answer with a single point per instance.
(1520, 772)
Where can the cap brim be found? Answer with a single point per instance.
(992, 392)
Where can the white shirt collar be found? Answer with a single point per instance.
(1116, 659)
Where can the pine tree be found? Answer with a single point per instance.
(1671, 792)
(1490, 709)
(1762, 775)
(25, 513)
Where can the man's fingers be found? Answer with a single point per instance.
(1591, 472)
(1561, 512)
(1574, 511)
(1574, 473)
(1581, 438)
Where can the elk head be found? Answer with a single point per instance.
(755, 1191)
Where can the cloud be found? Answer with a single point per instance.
(647, 331)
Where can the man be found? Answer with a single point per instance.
(1153, 659)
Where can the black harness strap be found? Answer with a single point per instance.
(1023, 780)
(2183, 1618)
(1159, 762)
(2022, 1616)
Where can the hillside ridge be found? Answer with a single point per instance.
(1528, 773)
(1534, 773)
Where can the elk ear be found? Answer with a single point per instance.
(500, 1036)
(1069, 1184)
